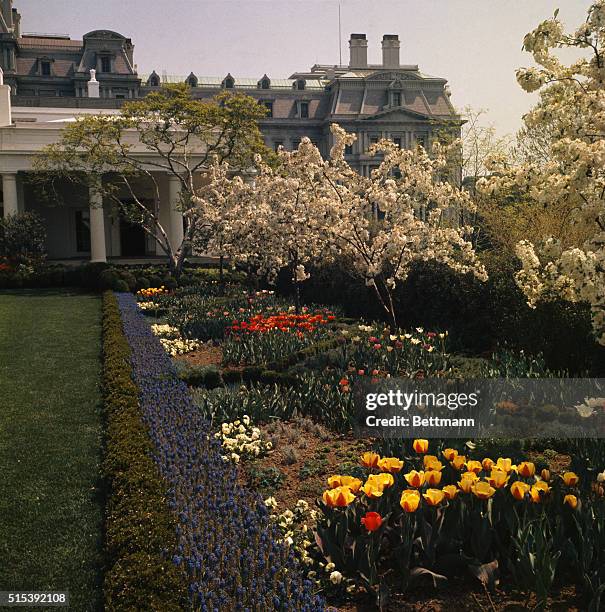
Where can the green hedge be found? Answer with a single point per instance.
(139, 525)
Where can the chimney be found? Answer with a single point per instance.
(93, 85)
(359, 51)
(5, 103)
(17, 23)
(390, 51)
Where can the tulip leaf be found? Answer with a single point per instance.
(487, 573)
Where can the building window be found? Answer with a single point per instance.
(83, 231)
(373, 140)
(295, 144)
(45, 68)
(105, 64)
(229, 82)
(265, 83)
(300, 84)
(397, 141)
(277, 144)
(304, 110)
(421, 140)
(269, 107)
(396, 98)
(348, 149)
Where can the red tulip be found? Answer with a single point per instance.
(372, 521)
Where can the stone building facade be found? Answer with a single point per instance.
(46, 82)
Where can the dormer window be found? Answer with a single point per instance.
(45, 68)
(264, 83)
(229, 82)
(105, 63)
(153, 80)
(300, 84)
(303, 110)
(192, 80)
(396, 98)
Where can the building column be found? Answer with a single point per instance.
(97, 227)
(175, 233)
(9, 192)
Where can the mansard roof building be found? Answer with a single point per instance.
(49, 79)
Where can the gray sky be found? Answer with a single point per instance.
(475, 44)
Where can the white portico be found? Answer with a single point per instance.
(83, 226)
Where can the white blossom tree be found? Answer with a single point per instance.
(405, 212)
(570, 177)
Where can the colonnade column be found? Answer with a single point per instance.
(9, 192)
(97, 227)
(175, 232)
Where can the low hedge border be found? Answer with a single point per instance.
(234, 557)
(140, 535)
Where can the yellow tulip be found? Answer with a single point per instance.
(450, 491)
(432, 463)
(470, 476)
(421, 446)
(370, 459)
(498, 479)
(384, 480)
(487, 464)
(415, 479)
(458, 462)
(506, 465)
(545, 475)
(538, 491)
(409, 501)
(345, 481)
(390, 464)
(570, 479)
(338, 497)
(571, 501)
(372, 489)
(450, 453)
(519, 489)
(432, 477)
(482, 489)
(526, 468)
(466, 485)
(433, 497)
(474, 466)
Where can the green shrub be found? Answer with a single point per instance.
(155, 281)
(129, 279)
(107, 279)
(142, 282)
(23, 238)
(121, 286)
(139, 525)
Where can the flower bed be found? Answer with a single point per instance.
(233, 556)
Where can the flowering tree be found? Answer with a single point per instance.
(166, 133)
(405, 212)
(279, 220)
(570, 177)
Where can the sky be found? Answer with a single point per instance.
(475, 44)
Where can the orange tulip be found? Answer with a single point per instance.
(338, 497)
(538, 491)
(487, 464)
(519, 489)
(570, 479)
(450, 491)
(370, 459)
(390, 464)
(483, 490)
(345, 481)
(571, 501)
(421, 446)
(545, 475)
(434, 497)
(415, 479)
(409, 501)
(526, 469)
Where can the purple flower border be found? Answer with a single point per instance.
(226, 542)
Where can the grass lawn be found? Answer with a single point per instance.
(50, 444)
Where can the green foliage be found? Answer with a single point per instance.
(23, 238)
(139, 526)
(265, 479)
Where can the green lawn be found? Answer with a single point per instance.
(50, 444)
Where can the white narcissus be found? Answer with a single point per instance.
(572, 99)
